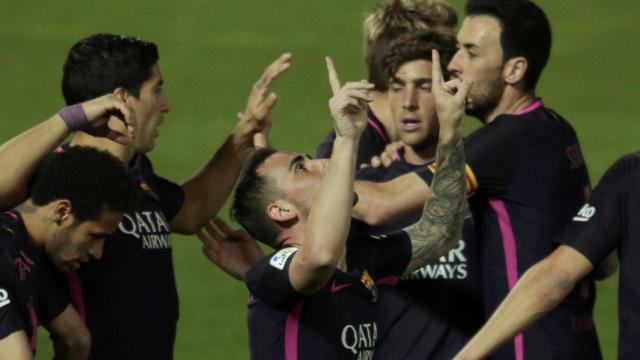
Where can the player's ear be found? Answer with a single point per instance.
(514, 70)
(281, 211)
(62, 211)
(121, 94)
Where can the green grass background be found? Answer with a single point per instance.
(211, 53)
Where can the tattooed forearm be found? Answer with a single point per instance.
(440, 226)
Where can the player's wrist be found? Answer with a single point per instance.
(75, 118)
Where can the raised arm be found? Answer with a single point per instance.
(540, 289)
(207, 190)
(20, 156)
(327, 226)
(440, 226)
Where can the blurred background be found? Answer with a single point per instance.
(211, 52)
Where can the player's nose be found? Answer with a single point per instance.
(95, 251)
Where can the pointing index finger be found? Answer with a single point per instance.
(436, 72)
(334, 81)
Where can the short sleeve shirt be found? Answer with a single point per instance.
(337, 322)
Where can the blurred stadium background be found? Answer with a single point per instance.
(212, 52)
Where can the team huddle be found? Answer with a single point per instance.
(401, 240)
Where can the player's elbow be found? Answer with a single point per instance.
(74, 342)
(555, 284)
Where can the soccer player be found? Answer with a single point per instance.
(602, 225)
(76, 201)
(314, 297)
(388, 21)
(527, 170)
(432, 312)
(20, 157)
(129, 297)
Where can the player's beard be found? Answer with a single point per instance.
(59, 246)
(483, 98)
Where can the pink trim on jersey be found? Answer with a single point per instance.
(536, 104)
(75, 291)
(377, 128)
(34, 327)
(12, 214)
(59, 149)
(587, 192)
(389, 280)
(510, 258)
(291, 332)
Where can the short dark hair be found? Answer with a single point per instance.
(92, 180)
(250, 200)
(525, 32)
(395, 18)
(100, 63)
(418, 46)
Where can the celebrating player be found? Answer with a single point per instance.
(388, 21)
(76, 201)
(526, 167)
(316, 294)
(433, 312)
(130, 296)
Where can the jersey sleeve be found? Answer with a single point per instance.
(391, 253)
(491, 154)
(596, 230)
(52, 297)
(269, 282)
(10, 313)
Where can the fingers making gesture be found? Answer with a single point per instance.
(257, 115)
(348, 104)
(449, 96)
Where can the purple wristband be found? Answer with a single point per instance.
(75, 118)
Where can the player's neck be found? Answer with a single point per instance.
(122, 152)
(511, 102)
(380, 107)
(34, 222)
(419, 156)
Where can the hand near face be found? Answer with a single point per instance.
(234, 251)
(98, 112)
(449, 98)
(256, 118)
(348, 104)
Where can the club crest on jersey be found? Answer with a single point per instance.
(279, 260)
(585, 213)
(370, 284)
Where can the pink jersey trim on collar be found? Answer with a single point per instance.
(536, 104)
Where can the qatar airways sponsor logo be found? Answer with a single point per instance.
(452, 266)
(4, 298)
(360, 339)
(149, 226)
(585, 213)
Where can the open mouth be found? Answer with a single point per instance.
(410, 124)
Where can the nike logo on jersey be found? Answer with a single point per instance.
(4, 298)
(585, 213)
(335, 287)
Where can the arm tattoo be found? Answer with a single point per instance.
(440, 226)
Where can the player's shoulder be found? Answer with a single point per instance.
(627, 165)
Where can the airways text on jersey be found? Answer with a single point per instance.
(452, 266)
(149, 226)
(4, 298)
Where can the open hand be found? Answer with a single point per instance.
(234, 251)
(256, 117)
